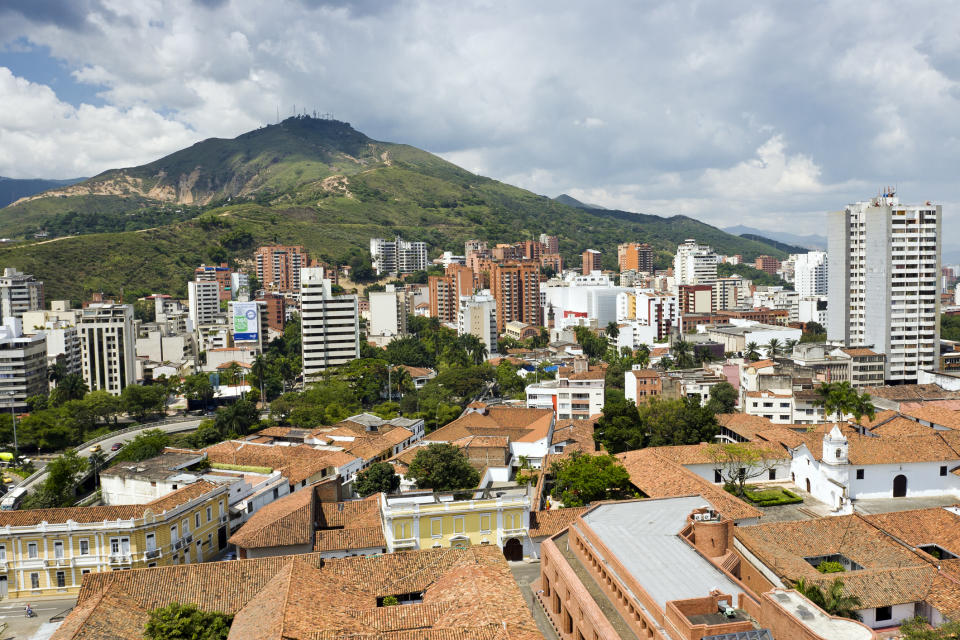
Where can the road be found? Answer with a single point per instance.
(11, 613)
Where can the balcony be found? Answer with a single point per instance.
(57, 562)
(405, 543)
(119, 558)
(152, 554)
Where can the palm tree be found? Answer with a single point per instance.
(862, 405)
(665, 363)
(789, 344)
(613, 330)
(71, 387)
(682, 354)
(838, 398)
(752, 351)
(56, 372)
(774, 348)
(834, 601)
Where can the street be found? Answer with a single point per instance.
(19, 626)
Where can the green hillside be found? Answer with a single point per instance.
(314, 182)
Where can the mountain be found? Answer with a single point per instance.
(12, 189)
(808, 242)
(573, 202)
(319, 183)
(782, 246)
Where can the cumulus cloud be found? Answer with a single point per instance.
(727, 111)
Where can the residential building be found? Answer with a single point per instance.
(694, 264)
(810, 274)
(778, 298)
(478, 317)
(660, 310)
(867, 367)
(591, 259)
(577, 393)
(23, 365)
(222, 275)
(445, 292)
(274, 310)
(521, 330)
(63, 345)
(695, 298)
(444, 593)
(19, 293)
(108, 343)
(641, 384)
(330, 326)
(515, 287)
(47, 552)
(883, 282)
(813, 309)
(730, 292)
(388, 314)
(278, 267)
(767, 264)
(240, 285)
(736, 337)
(427, 520)
(395, 257)
(635, 256)
(551, 243)
(248, 324)
(203, 302)
(589, 299)
(554, 262)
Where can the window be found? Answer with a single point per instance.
(84, 572)
(773, 474)
(34, 580)
(436, 527)
(943, 470)
(119, 546)
(32, 550)
(717, 477)
(458, 524)
(151, 542)
(58, 549)
(3, 553)
(276, 492)
(186, 527)
(209, 514)
(485, 522)
(884, 613)
(61, 579)
(84, 547)
(173, 534)
(401, 530)
(859, 474)
(196, 520)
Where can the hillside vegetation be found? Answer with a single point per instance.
(314, 182)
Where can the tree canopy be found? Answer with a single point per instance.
(187, 622)
(442, 467)
(378, 477)
(583, 478)
(655, 423)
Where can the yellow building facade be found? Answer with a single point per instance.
(430, 521)
(46, 552)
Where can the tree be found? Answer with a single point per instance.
(739, 462)
(862, 405)
(103, 405)
(140, 401)
(620, 428)
(774, 348)
(682, 354)
(410, 351)
(377, 478)
(583, 478)
(751, 352)
(677, 421)
(919, 629)
(723, 398)
(834, 601)
(96, 461)
(237, 418)
(442, 467)
(840, 398)
(147, 444)
(613, 330)
(187, 622)
(197, 387)
(70, 387)
(57, 489)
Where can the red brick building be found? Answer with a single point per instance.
(767, 264)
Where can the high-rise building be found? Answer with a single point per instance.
(694, 264)
(63, 344)
(478, 316)
(591, 262)
(398, 256)
(767, 264)
(19, 292)
(635, 256)
(23, 365)
(330, 328)
(551, 243)
(730, 292)
(884, 267)
(221, 275)
(695, 298)
(532, 249)
(203, 302)
(810, 274)
(274, 310)
(446, 291)
(388, 313)
(278, 267)
(108, 344)
(516, 288)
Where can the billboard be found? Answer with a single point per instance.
(246, 322)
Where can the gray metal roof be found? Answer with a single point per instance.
(643, 535)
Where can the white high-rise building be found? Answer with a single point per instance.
(23, 365)
(330, 325)
(884, 271)
(397, 256)
(108, 343)
(388, 314)
(810, 274)
(478, 316)
(19, 293)
(694, 264)
(203, 302)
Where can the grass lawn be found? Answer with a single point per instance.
(768, 497)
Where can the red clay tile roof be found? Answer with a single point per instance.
(284, 522)
(349, 539)
(942, 416)
(518, 423)
(548, 523)
(417, 372)
(701, 453)
(353, 514)
(859, 352)
(296, 463)
(867, 450)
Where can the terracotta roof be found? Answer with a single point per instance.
(900, 426)
(922, 527)
(468, 594)
(659, 477)
(349, 539)
(351, 515)
(371, 447)
(284, 522)
(912, 392)
(933, 414)
(866, 450)
(879, 418)
(577, 434)
(700, 453)
(296, 463)
(762, 364)
(548, 523)
(417, 372)
(645, 373)
(518, 423)
(859, 352)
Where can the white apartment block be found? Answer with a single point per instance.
(651, 309)
(23, 365)
(810, 274)
(730, 293)
(883, 282)
(330, 329)
(813, 309)
(108, 342)
(63, 343)
(778, 298)
(203, 302)
(19, 293)
(575, 394)
(478, 316)
(397, 256)
(694, 264)
(579, 299)
(388, 314)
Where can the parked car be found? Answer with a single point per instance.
(96, 449)
(116, 446)
(230, 555)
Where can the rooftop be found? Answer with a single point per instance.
(157, 468)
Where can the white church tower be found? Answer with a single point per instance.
(835, 469)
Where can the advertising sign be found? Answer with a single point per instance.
(246, 322)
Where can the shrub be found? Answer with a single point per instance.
(829, 566)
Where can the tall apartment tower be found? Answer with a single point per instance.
(108, 343)
(278, 267)
(19, 292)
(635, 256)
(394, 257)
(591, 262)
(515, 287)
(810, 274)
(23, 365)
(551, 243)
(694, 264)
(884, 269)
(478, 316)
(446, 291)
(203, 302)
(330, 326)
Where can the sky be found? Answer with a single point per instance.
(762, 114)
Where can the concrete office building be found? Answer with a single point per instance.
(19, 293)
(203, 302)
(397, 256)
(108, 342)
(23, 365)
(330, 329)
(883, 282)
(694, 264)
(810, 274)
(478, 316)
(221, 274)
